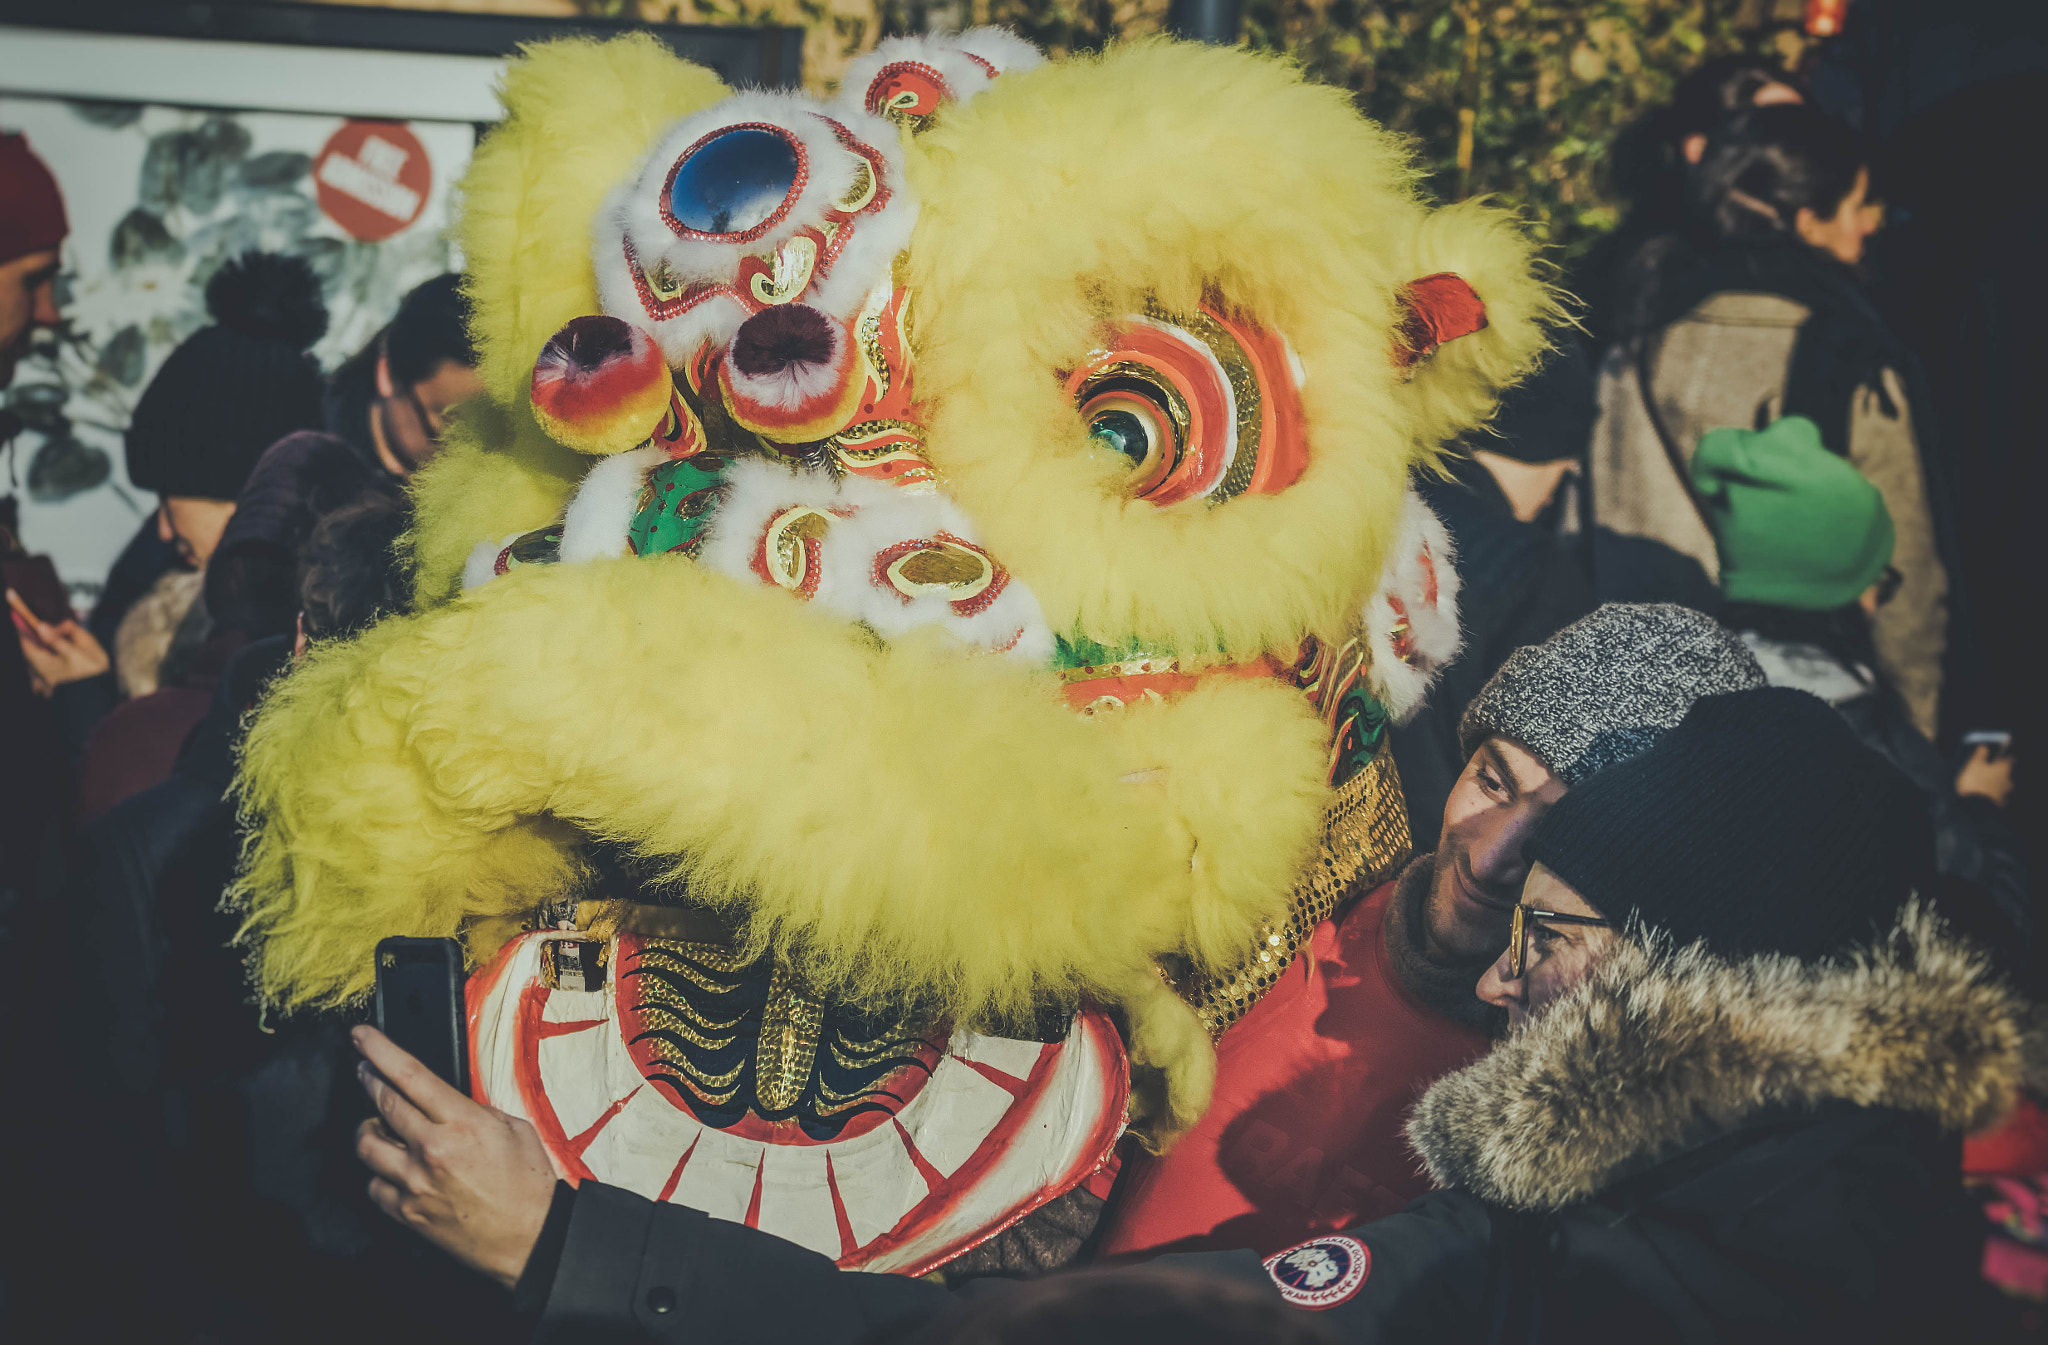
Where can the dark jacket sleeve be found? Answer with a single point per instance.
(1428, 1276)
(635, 1269)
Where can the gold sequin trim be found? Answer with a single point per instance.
(1365, 842)
(788, 1047)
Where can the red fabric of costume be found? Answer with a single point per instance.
(1312, 1090)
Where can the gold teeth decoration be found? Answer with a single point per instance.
(1365, 842)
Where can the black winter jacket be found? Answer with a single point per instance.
(1682, 1149)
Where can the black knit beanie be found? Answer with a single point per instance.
(233, 389)
(1760, 825)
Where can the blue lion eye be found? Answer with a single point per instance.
(733, 182)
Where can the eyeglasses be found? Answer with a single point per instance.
(1888, 585)
(1518, 933)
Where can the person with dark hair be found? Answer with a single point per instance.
(1648, 167)
(390, 399)
(349, 572)
(382, 411)
(1756, 313)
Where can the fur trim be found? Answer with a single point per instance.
(631, 219)
(962, 60)
(482, 566)
(599, 517)
(1411, 621)
(1024, 245)
(1661, 1049)
(966, 842)
(579, 114)
(143, 639)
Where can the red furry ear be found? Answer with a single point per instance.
(1436, 309)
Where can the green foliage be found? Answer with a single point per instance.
(1521, 101)
(1539, 88)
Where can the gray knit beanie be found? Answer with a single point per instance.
(1607, 686)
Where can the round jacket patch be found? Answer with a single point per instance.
(1322, 1273)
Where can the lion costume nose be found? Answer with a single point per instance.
(790, 374)
(600, 385)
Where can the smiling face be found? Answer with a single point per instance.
(1496, 803)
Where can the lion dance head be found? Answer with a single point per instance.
(946, 549)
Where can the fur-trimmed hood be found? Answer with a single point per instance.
(1662, 1049)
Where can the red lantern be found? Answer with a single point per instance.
(1824, 17)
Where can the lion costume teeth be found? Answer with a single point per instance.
(1035, 663)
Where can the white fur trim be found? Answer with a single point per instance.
(951, 54)
(868, 518)
(1422, 550)
(1001, 48)
(600, 515)
(633, 211)
(482, 566)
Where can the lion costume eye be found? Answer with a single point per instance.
(1200, 405)
(734, 183)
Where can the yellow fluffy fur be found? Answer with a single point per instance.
(911, 822)
(579, 117)
(1165, 170)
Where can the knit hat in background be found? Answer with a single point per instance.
(1607, 686)
(233, 389)
(1796, 525)
(31, 207)
(1760, 825)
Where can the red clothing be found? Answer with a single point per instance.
(1312, 1089)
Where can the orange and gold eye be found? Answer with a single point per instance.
(1139, 422)
(1201, 405)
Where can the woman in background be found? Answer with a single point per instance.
(1753, 313)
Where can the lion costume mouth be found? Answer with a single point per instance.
(811, 634)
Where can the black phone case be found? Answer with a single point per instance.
(420, 1003)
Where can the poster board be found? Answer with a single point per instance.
(159, 194)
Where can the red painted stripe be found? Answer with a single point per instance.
(584, 1140)
(547, 1029)
(753, 1219)
(669, 1189)
(1009, 1083)
(933, 1178)
(847, 1246)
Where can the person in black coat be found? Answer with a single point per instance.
(1726, 1110)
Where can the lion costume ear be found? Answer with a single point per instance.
(579, 116)
(1473, 322)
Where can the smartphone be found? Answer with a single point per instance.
(1998, 740)
(420, 1003)
(35, 579)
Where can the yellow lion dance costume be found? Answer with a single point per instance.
(902, 650)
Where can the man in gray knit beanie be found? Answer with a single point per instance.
(1598, 692)
(1608, 686)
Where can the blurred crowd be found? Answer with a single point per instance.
(1790, 435)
